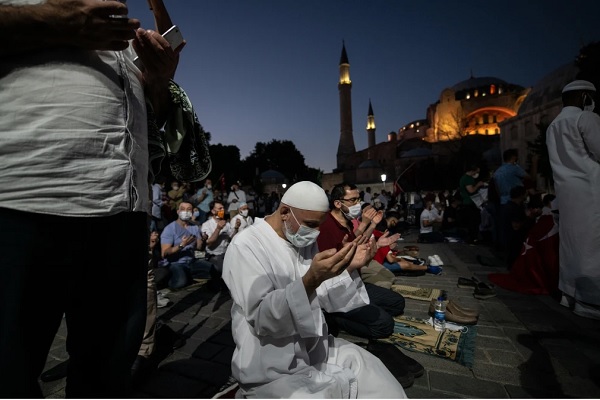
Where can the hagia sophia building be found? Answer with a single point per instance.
(471, 122)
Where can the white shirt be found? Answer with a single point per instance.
(223, 240)
(426, 216)
(74, 133)
(238, 195)
(244, 222)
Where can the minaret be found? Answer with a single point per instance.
(346, 145)
(371, 126)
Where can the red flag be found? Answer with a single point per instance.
(222, 180)
(397, 188)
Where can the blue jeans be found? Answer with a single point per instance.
(182, 273)
(394, 267)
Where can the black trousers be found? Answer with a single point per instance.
(92, 271)
(375, 320)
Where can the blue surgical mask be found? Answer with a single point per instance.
(303, 237)
(196, 214)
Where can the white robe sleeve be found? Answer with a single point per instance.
(274, 303)
(589, 126)
(343, 293)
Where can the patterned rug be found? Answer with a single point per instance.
(417, 293)
(417, 335)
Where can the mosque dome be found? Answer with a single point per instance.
(369, 164)
(474, 83)
(549, 88)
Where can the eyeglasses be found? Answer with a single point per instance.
(353, 200)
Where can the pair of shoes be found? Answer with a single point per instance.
(55, 373)
(456, 313)
(466, 283)
(435, 260)
(483, 291)
(404, 368)
(161, 300)
(434, 270)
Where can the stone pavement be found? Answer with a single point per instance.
(527, 346)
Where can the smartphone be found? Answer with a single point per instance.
(172, 35)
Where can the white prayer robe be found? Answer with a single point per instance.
(282, 344)
(577, 183)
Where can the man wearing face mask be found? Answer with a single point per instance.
(573, 141)
(470, 213)
(179, 240)
(204, 196)
(243, 219)
(219, 233)
(279, 284)
(375, 320)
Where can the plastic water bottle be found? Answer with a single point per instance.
(439, 316)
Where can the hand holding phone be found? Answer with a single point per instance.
(172, 35)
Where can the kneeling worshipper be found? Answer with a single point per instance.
(279, 283)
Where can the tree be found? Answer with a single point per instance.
(279, 155)
(225, 160)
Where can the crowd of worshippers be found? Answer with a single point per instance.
(496, 210)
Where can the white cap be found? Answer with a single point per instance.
(306, 196)
(579, 85)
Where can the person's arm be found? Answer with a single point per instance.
(56, 23)
(213, 238)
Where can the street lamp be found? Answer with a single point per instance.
(383, 177)
(283, 185)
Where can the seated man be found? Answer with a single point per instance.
(179, 241)
(428, 219)
(279, 285)
(218, 233)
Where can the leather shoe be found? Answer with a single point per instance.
(459, 319)
(453, 314)
(459, 310)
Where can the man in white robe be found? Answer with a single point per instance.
(573, 140)
(279, 284)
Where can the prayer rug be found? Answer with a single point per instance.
(415, 334)
(417, 293)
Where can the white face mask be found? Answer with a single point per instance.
(303, 237)
(244, 213)
(209, 187)
(475, 176)
(354, 211)
(589, 107)
(185, 215)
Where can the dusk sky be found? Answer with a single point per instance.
(258, 70)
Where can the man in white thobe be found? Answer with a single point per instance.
(573, 140)
(279, 284)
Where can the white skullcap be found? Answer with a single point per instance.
(242, 204)
(306, 196)
(579, 85)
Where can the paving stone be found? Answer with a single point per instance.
(173, 386)
(466, 386)
(488, 342)
(498, 373)
(506, 358)
(517, 392)
(491, 331)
